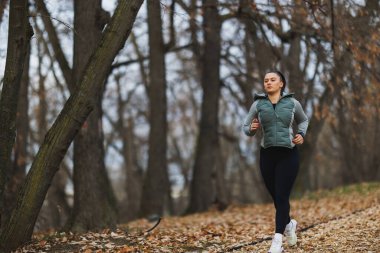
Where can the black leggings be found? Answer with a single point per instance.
(279, 168)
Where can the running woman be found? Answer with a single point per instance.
(275, 112)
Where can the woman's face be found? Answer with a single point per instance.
(272, 83)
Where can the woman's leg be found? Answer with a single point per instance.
(285, 175)
(267, 169)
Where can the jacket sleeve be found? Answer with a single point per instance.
(248, 119)
(301, 119)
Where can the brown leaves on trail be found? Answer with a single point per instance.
(345, 220)
(359, 232)
(106, 241)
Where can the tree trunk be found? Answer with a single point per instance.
(55, 209)
(20, 227)
(130, 206)
(20, 150)
(133, 177)
(156, 181)
(295, 80)
(91, 182)
(202, 190)
(221, 200)
(19, 36)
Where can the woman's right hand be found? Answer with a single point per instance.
(255, 124)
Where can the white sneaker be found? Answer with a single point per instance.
(290, 232)
(276, 246)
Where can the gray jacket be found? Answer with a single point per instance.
(276, 124)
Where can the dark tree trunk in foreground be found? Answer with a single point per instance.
(17, 174)
(94, 202)
(20, 227)
(19, 36)
(202, 187)
(156, 183)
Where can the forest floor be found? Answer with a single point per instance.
(345, 219)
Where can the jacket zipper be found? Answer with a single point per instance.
(275, 113)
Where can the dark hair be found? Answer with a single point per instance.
(282, 79)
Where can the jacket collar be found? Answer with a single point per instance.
(265, 96)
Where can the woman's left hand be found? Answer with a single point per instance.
(298, 139)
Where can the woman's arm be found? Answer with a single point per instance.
(252, 114)
(301, 119)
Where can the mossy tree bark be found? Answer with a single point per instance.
(19, 36)
(74, 113)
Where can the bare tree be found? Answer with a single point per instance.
(202, 190)
(156, 182)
